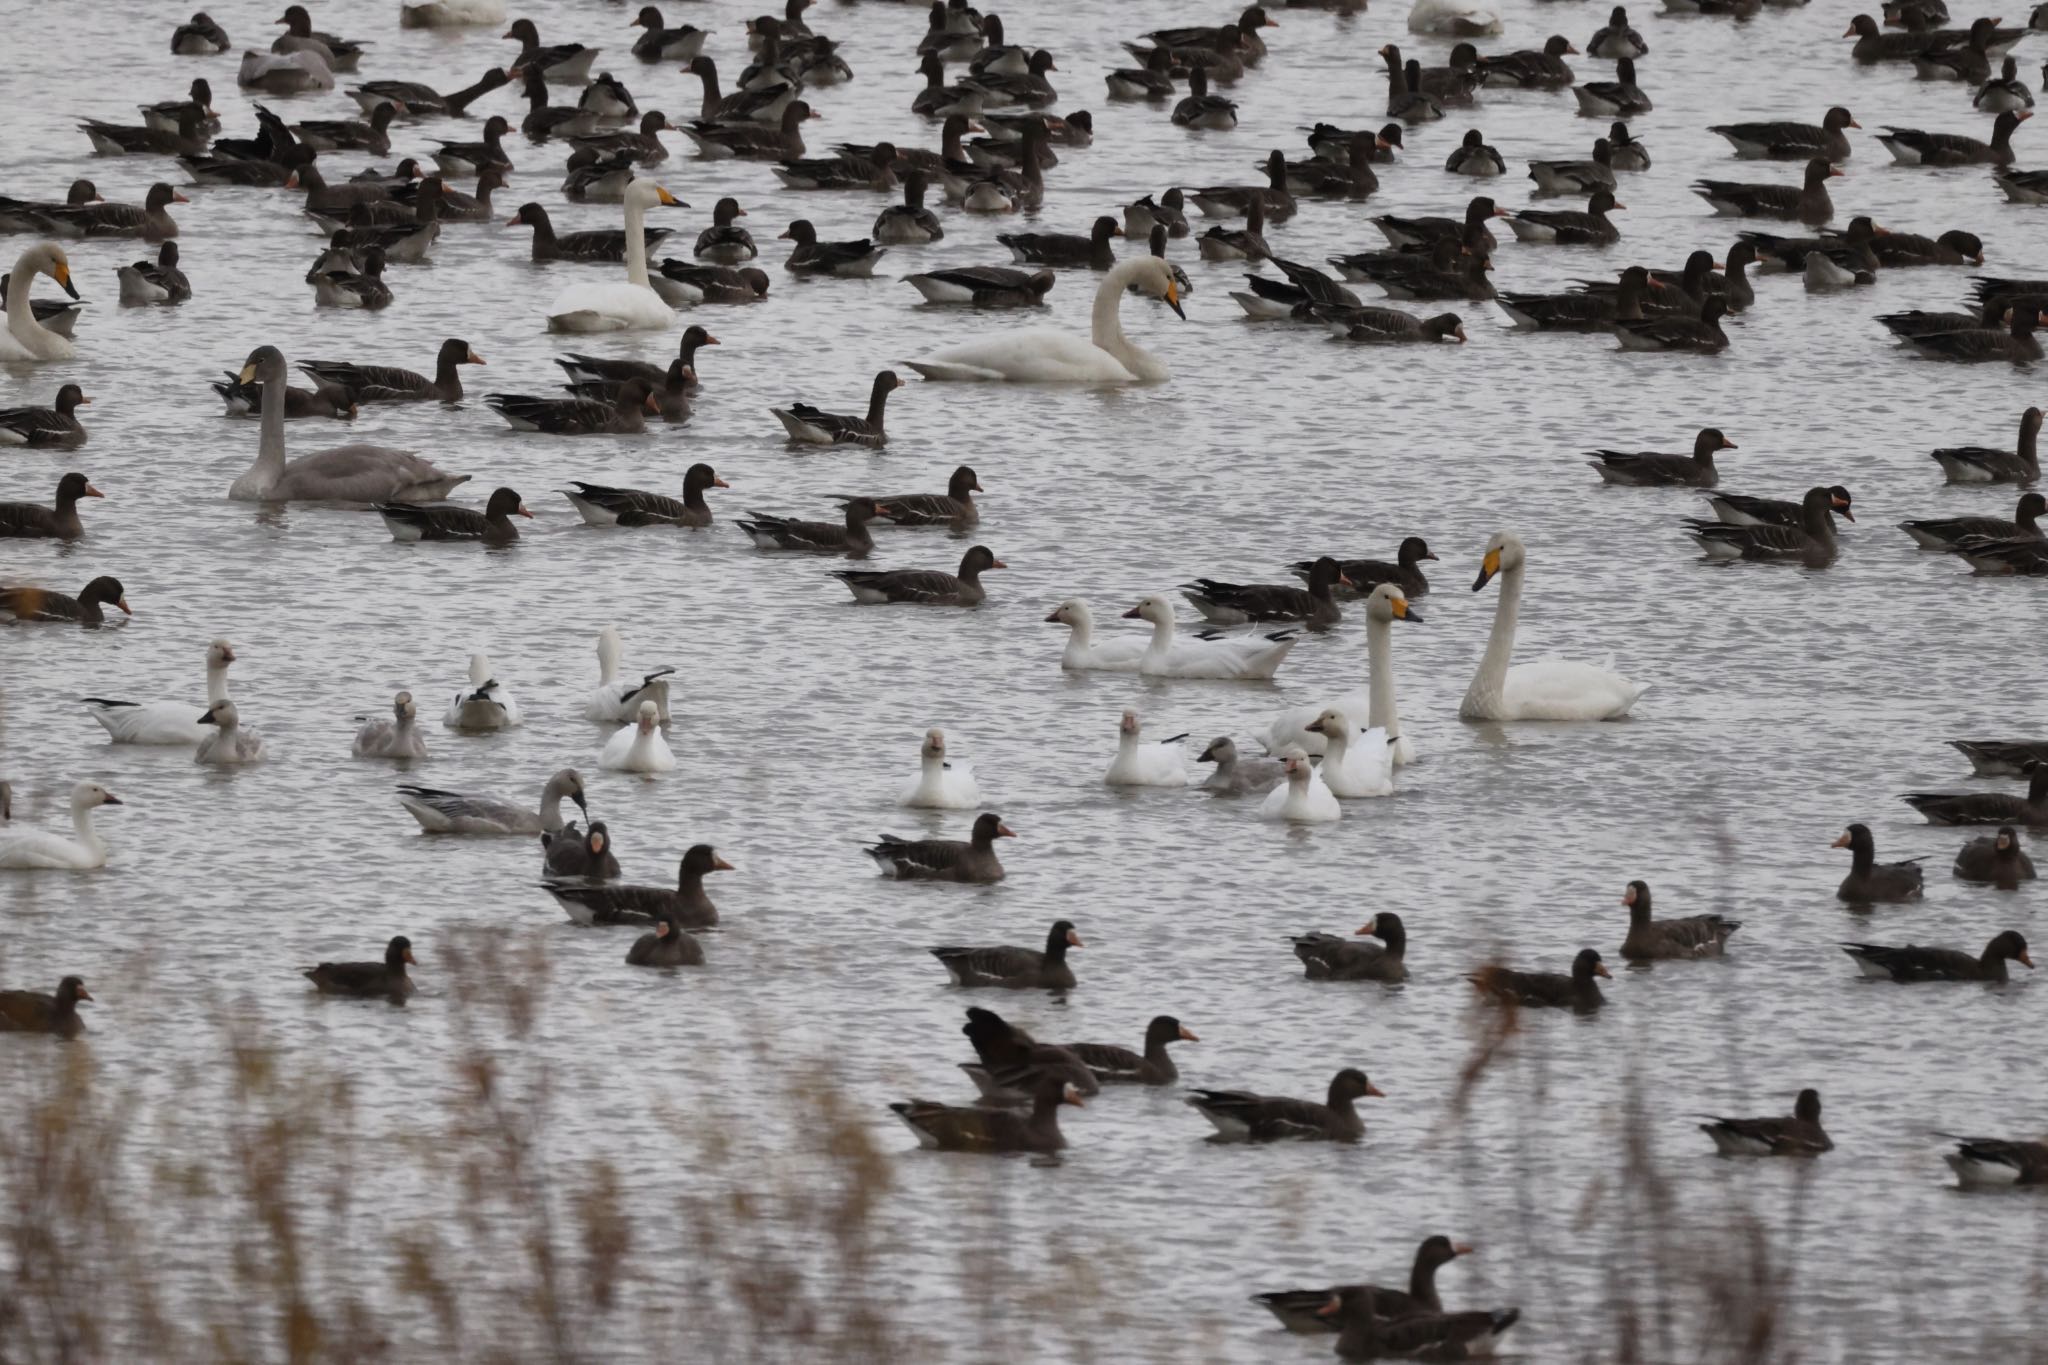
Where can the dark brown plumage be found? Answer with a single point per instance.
(1014, 968)
(687, 904)
(386, 980)
(1653, 940)
(1326, 957)
(1241, 1115)
(32, 520)
(1550, 990)
(34, 1012)
(945, 860)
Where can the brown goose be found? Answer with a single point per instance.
(688, 282)
(1654, 469)
(201, 37)
(813, 426)
(1997, 1161)
(670, 394)
(602, 245)
(1943, 533)
(1011, 1063)
(1068, 249)
(1986, 808)
(151, 221)
(182, 134)
(411, 521)
(665, 946)
(816, 537)
(423, 101)
(623, 414)
(2016, 344)
(1997, 859)
(563, 63)
(1364, 1335)
(945, 860)
(1799, 1135)
(587, 367)
(1570, 227)
(1785, 141)
(1363, 575)
(34, 1012)
(1914, 147)
(1808, 204)
(606, 506)
(954, 507)
(1618, 98)
(1247, 243)
(40, 604)
(1231, 201)
(2002, 757)
(1870, 882)
(386, 980)
(1583, 310)
(464, 159)
(587, 855)
(1237, 604)
(1406, 98)
(1300, 1310)
(1701, 335)
(923, 587)
(1469, 231)
(1111, 1063)
(1014, 968)
(967, 1128)
(51, 428)
(780, 139)
(33, 520)
(1912, 964)
(1812, 542)
(1652, 940)
(687, 906)
(1532, 70)
(851, 259)
(391, 384)
(1553, 990)
(1242, 1116)
(1616, 39)
(1326, 957)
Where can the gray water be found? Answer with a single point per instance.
(1783, 704)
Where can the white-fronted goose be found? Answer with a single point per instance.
(1114, 1064)
(34, 1012)
(544, 120)
(954, 507)
(1944, 533)
(1583, 310)
(1808, 204)
(815, 537)
(940, 100)
(2005, 91)
(666, 945)
(605, 506)
(1248, 243)
(1300, 1310)
(1618, 98)
(1873, 883)
(1328, 957)
(1032, 89)
(336, 135)
(1234, 201)
(1141, 215)
(1569, 227)
(781, 140)
(51, 428)
(392, 384)
(151, 220)
(841, 171)
(563, 63)
(1242, 1116)
(2016, 344)
(814, 426)
(1152, 81)
(1995, 858)
(984, 286)
(1914, 147)
(1902, 250)
(1474, 157)
(1544, 70)
(970, 1128)
(663, 44)
(462, 160)
(608, 98)
(670, 396)
(923, 587)
(586, 367)
(446, 812)
(398, 737)
(1468, 231)
(28, 520)
(1628, 153)
(1658, 940)
(1616, 39)
(340, 54)
(1997, 1161)
(641, 147)
(1788, 141)
(423, 101)
(1986, 808)
(1406, 99)
(1363, 1335)
(153, 282)
(1011, 1063)
(1968, 60)
(1987, 555)
(1200, 109)
(444, 521)
(1742, 509)
(1702, 335)
(945, 860)
(386, 980)
(199, 37)
(1466, 278)
(41, 604)
(725, 242)
(346, 288)
(602, 179)
(185, 137)
(1361, 576)
(1349, 176)
(2003, 758)
(597, 244)
(1798, 1135)
(766, 103)
(29, 216)
(1812, 542)
(1388, 326)
(1656, 469)
(1579, 991)
(1912, 964)
(1014, 968)
(686, 906)
(854, 259)
(623, 414)
(1092, 252)
(1237, 604)
(909, 223)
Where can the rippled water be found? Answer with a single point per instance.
(1784, 703)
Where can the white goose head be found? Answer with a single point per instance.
(649, 717)
(1155, 609)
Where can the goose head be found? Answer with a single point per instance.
(402, 707)
(1389, 603)
(1503, 555)
(224, 714)
(1295, 761)
(86, 795)
(1332, 723)
(1128, 726)
(1072, 612)
(934, 749)
(649, 716)
(219, 654)
(1222, 750)
(1155, 609)
(568, 782)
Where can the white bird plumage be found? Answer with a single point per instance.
(25, 849)
(1141, 763)
(1083, 654)
(620, 701)
(1453, 19)
(1374, 707)
(486, 704)
(639, 747)
(229, 744)
(398, 737)
(1356, 764)
(1549, 688)
(1303, 798)
(628, 305)
(1046, 355)
(1196, 656)
(166, 722)
(24, 338)
(941, 783)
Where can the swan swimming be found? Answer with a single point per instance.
(1046, 355)
(628, 305)
(350, 473)
(1547, 689)
(1374, 707)
(24, 338)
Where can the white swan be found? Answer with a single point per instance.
(1203, 656)
(486, 704)
(445, 812)
(25, 338)
(34, 848)
(1045, 355)
(398, 737)
(1454, 19)
(1302, 799)
(351, 473)
(1374, 707)
(615, 701)
(628, 305)
(450, 13)
(1082, 654)
(1141, 764)
(1355, 765)
(941, 784)
(639, 747)
(166, 722)
(230, 744)
(1548, 689)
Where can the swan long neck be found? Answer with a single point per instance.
(1106, 328)
(21, 317)
(636, 243)
(270, 441)
(1482, 699)
(1379, 683)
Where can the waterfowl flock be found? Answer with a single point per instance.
(1224, 394)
